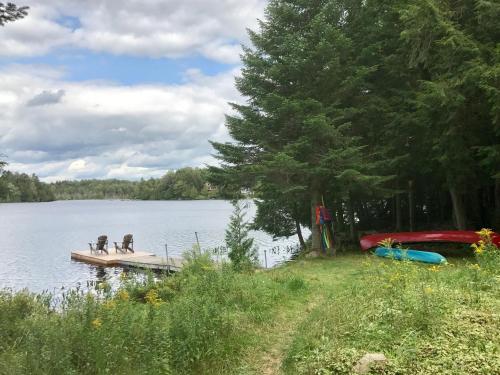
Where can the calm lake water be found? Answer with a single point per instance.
(36, 238)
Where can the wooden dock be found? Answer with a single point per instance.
(154, 263)
(138, 259)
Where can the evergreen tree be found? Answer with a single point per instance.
(293, 140)
(240, 247)
(11, 12)
(453, 46)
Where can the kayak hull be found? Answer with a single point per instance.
(456, 236)
(413, 255)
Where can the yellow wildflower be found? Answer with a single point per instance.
(103, 285)
(96, 323)
(110, 305)
(152, 297)
(123, 276)
(123, 295)
(395, 277)
(478, 248)
(388, 242)
(428, 290)
(475, 266)
(434, 268)
(485, 233)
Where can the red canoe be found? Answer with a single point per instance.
(456, 236)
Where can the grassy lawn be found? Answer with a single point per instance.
(308, 317)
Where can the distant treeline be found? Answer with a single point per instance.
(20, 187)
(185, 183)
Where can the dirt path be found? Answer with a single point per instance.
(281, 337)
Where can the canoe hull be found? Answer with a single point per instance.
(456, 236)
(413, 255)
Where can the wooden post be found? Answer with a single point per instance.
(265, 258)
(198, 241)
(168, 264)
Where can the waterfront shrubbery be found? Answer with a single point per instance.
(315, 316)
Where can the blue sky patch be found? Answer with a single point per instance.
(82, 65)
(69, 22)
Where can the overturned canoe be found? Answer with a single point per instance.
(414, 255)
(456, 236)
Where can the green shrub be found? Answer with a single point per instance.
(240, 247)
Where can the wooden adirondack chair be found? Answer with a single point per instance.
(126, 245)
(101, 245)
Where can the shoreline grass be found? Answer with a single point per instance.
(316, 316)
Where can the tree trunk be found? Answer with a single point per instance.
(496, 216)
(458, 208)
(339, 217)
(397, 200)
(339, 225)
(315, 234)
(299, 234)
(411, 206)
(352, 224)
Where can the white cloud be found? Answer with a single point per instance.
(102, 130)
(77, 165)
(61, 129)
(34, 35)
(153, 28)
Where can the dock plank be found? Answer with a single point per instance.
(155, 262)
(138, 259)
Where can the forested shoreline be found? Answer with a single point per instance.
(386, 111)
(21, 187)
(184, 183)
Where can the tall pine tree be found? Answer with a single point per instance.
(292, 137)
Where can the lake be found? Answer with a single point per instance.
(36, 239)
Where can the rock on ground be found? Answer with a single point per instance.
(367, 361)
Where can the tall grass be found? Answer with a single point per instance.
(197, 321)
(427, 320)
(312, 317)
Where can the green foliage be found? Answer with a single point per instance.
(486, 252)
(293, 140)
(240, 247)
(313, 317)
(11, 12)
(425, 319)
(198, 321)
(292, 281)
(389, 110)
(20, 187)
(89, 336)
(184, 183)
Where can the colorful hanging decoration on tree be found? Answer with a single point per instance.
(324, 220)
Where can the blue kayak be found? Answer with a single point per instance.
(414, 255)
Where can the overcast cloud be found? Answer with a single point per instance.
(60, 128)
(46, 97)
(153, 28)
(104, 130)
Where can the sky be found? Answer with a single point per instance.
(122, 89)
